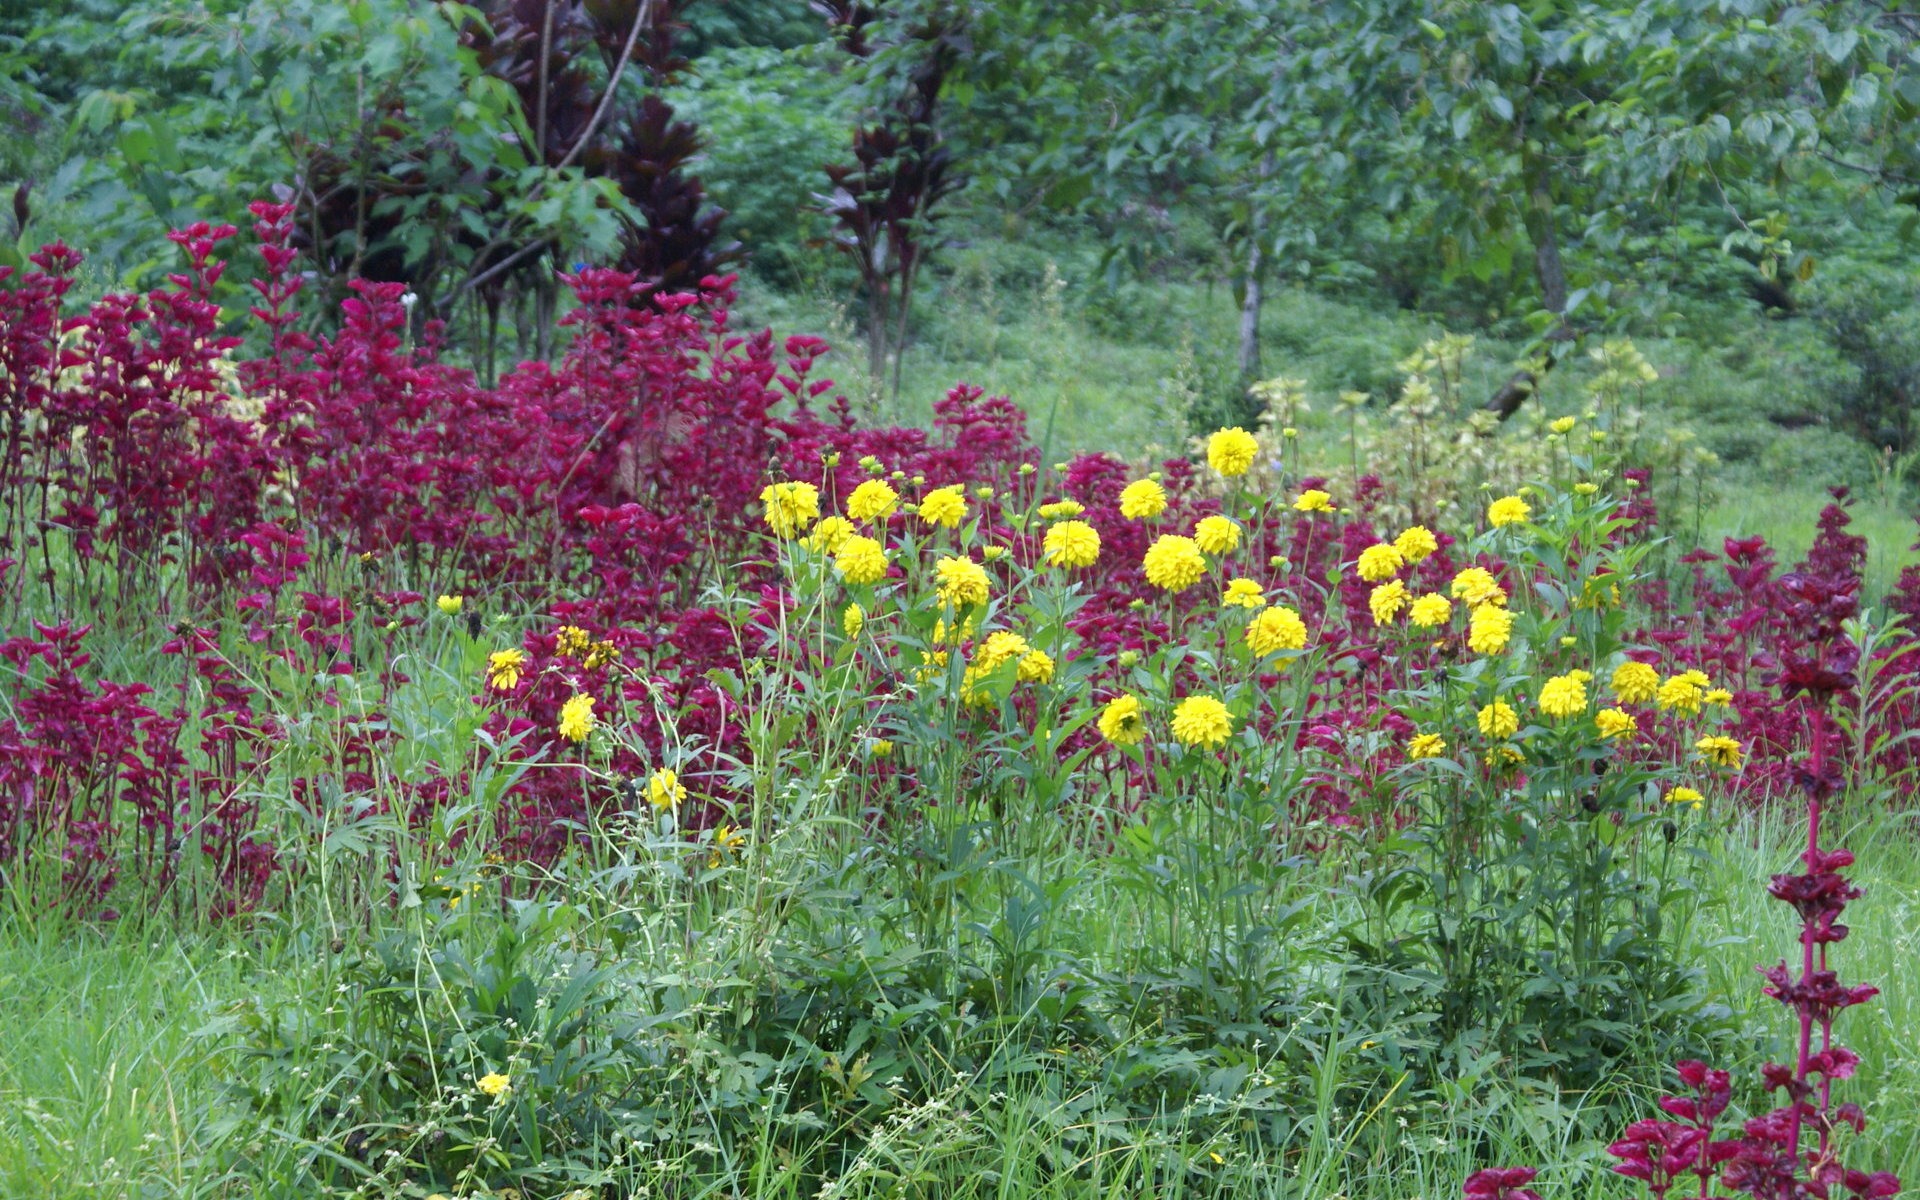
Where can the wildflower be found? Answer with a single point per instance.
(1231, 451)
(1718, 696)
(1036, 666)
(1684, 795)
(1216, 535)
(1141, 499)
(879, 748)
(1313, 500)
(1563, 696)
(829, 535)
(664, 789)
(1242, 593)
(1001, 646)
(1504, 755)
(727, 840)
(1276, 628)
(1427, 745)
(961, 581)
(1127, 659)
(791, 507)
(1477, 586)
(1121, 721)
(494, 1084)
(1072, 544)
(1563, 425)
(972, 694)
(853, 620)
(873, 500)
(861, 560)
(1489, 630)
(993, 553)
(1586, 489)
(1379, 562)
(983, 493)
(1616, 723)
(504, 668)
(1508, 510)
(600, 654)
(870, 464)
(450, 605)
(1498, 720)
(1061, 508)
(571, 641)
(1416, 543)
(1174, 563)
(1387, 600)
(1202, 721)
(1430, 610)
(1683, 693)
(576, 718)
(959, 633)
(945, 507)
(1635, 682)
(1721, 751)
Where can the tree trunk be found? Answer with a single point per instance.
(1547, 267)
(1250, 316)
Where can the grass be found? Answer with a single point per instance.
(110, 1086)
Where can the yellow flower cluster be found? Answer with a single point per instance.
(664, 789)
(1387, 600)
(1430, 610)
(1313, 500)
(1122, 722)
(1508, 510)
(1564, 695)
(1685, 692)
(1489, 629)
(1379, 562)
(504, 668)
(1072, 544)
(1242, 593)
(1231, 452)
(1142, 499)
(1477, 586)
(1061, 508)
(873, 500)
(576, 718)
(1416, 543)
(960, 582)
(1216, 535)
(1202, 721)
(860, 559)
(1276, 628)
(1635, 682)
(791, 507)
(1174, 563)
(943, 507)
(829, 535)
(1427, 745)
(1499, 720)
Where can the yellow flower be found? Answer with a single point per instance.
(727, 840)
(1276, 628)
(1415, 543)
(1586, 489)
(1379, 562)
(1684, 795)
(1061, 508)
(1427, 745)
(1121, 721)
(1718, 696)
(1498, 720)
(1508, 510)
(451, 605)
(879, 748)
(1000, 647)
(1563, 425)
(576, 718)
(1231, 451)
(992, 553)
(1216, 535)
(791, 507)
(504, 668)
(1489, 630)
(1202, 721)
(1505, 756)
(1430, 610)
(1387, 600)
(1635, 682)
(1720, 751)
(571, 641)
(1683, 693)
(1477, 586)
(853, 620)
(1563, 696)
(664, 789)
(494, 1084)
(1036, 666)
(945, 507)
(600, 654)
(860, 559)
(873, 500)
(1174, 563)
(1313, 500)
(1072, 544)
(1242, 593)
(829, 535)
(1616, 723)
(961, 581)
(1141, 499)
